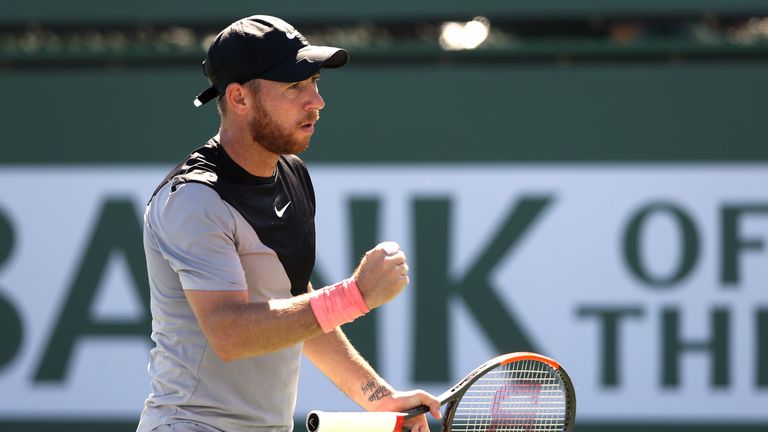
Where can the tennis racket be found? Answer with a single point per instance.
(517, 392)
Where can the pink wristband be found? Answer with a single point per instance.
(337, 304)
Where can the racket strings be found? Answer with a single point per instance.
(521, 396)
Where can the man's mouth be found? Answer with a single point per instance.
(308, 127)
(309, 123)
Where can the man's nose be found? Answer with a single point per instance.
(315, 101)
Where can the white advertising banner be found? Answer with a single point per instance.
(647, 282)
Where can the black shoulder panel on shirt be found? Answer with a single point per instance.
(281, 209)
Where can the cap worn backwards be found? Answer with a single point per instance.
(263, 46)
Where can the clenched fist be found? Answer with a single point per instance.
(382, 274)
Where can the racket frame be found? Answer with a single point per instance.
(453, 395)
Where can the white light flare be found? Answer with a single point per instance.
(464, 36)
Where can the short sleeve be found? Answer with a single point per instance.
(194, 230)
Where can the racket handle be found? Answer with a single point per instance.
(413, 412)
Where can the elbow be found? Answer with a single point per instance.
(225, 356)
(229, 351)
(226, 349)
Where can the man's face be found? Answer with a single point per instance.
(284, 115)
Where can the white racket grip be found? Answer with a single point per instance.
(323, 421)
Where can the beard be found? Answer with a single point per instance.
(276, 138)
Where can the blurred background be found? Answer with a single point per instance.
(585, 179)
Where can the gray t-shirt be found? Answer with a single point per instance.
(197, 239)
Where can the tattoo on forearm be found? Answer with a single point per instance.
(379, 393)
(374, 391)
(368, 387)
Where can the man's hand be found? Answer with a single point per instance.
(403, 401)
(382, 274)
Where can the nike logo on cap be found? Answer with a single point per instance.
(280, 212)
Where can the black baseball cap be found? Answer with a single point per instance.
(263, 46)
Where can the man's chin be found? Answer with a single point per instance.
(293, 147)
(300, 147)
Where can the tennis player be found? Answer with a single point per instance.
(229, 238)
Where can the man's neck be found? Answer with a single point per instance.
(247, 153)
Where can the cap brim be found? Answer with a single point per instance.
(308, 61)
(329, 57)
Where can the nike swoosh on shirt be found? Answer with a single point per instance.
(280, 212)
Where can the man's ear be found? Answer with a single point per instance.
(237, 98)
